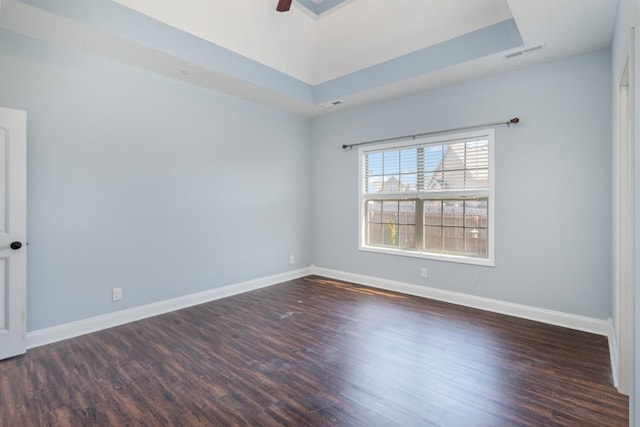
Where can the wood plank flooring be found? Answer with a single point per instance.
(317, 352)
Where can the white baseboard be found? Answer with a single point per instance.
(69, 330)
(613, 352)
(558, 318)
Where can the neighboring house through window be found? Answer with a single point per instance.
(430, 198)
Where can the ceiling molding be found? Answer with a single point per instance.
(109, 29)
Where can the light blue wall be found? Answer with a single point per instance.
(553, 179)
(149, 184)
(165, 189)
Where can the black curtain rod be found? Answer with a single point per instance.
(513, 121)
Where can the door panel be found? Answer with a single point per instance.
(13, 228)
(3, 293)
(3, 181)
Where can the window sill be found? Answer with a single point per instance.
(487, 262)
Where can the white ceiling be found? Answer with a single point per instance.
(313, 50)
(354, 36)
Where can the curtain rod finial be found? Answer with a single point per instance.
(345, 146)
(514, 120)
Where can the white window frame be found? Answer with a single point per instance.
(489, 134)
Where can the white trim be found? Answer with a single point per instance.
(558, 318)
(69, 330)
(479, 134)
(613, 352)
(429, 255)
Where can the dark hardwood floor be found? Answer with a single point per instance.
(317, 352)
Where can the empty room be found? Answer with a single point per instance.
(319, 213)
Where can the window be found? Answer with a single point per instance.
(430, 198)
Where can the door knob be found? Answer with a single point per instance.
(15, 245)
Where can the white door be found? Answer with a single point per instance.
(625, 235)
(13, 231)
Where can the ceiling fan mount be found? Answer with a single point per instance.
(283, 5)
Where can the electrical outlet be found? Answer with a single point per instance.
(292, 259)
(116, 294)
(424, 272)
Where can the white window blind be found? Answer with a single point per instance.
(431, 198)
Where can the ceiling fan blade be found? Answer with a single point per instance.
(283, 5)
